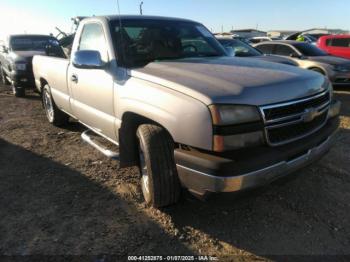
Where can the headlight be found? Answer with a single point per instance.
(341, 68)
(20, 66)
(224, 115)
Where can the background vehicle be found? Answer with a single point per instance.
(16, 59)
(242, 49)
(310, 57)
(230, 36)
(308, 37)
(260, 39)
(337, 45)
(164, 90)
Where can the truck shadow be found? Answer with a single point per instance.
(307, 215)
(50, 209)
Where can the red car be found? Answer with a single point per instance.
(337, 45)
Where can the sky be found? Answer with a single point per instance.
(41, 16)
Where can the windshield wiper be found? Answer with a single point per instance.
(209, 55)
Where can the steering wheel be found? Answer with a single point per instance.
(190, 46)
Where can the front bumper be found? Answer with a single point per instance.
(339, 78)
(22, 79)
(204, 173)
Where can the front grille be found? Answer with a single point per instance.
(295, 108)
(294, 120)
(342, 80)
(290, 132)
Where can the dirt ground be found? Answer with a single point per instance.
(59, 196)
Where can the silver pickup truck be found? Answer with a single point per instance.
(164, 92)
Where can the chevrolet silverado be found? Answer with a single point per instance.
(166, 94)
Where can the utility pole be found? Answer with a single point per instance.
(141, 11)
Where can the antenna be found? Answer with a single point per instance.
(141, 11)
(120, 31)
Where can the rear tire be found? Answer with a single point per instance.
(54, 115)
(159, 179)
(18, 92)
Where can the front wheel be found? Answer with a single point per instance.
(4, 80)
(18, 91)
(159, 179)
(53, 114)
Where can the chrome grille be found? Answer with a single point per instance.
(288, 122)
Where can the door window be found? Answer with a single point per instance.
(340, 42)
(284, 50)
(266, 49)
(92, 38)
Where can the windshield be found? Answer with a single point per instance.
(140, 42)
(309, 50)
(31, 43)
(240, 48)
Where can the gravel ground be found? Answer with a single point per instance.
(58, 196)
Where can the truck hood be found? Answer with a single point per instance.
(227, 80)
(332, 60)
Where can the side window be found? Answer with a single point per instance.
(266, 49)
(92, 38)
(329, 42)
(341, 42)
(284, 50)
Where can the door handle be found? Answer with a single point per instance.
(74, 79)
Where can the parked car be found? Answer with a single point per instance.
(259, 39)
(309, 38)
(16, 59)
(164, 91)
(337, 45)
(310, 57)
(236, 37)
(241, 49)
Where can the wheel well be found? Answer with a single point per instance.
(319, 69)
(43, 82)
(128, 141)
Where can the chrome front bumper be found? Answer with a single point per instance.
(202, 183)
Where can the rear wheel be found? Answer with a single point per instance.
(53, 114)
(159, 179)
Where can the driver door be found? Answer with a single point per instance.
(92, 89)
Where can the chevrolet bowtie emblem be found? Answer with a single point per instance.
(309, 115)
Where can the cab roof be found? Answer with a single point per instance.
(141, 17)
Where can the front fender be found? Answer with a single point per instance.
(187, 120)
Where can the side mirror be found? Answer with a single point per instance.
(294, 55)
(88, 59)
(230, 51)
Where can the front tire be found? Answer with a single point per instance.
(159, 179)
(18, 92)
(55, 116)
(4, 80)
